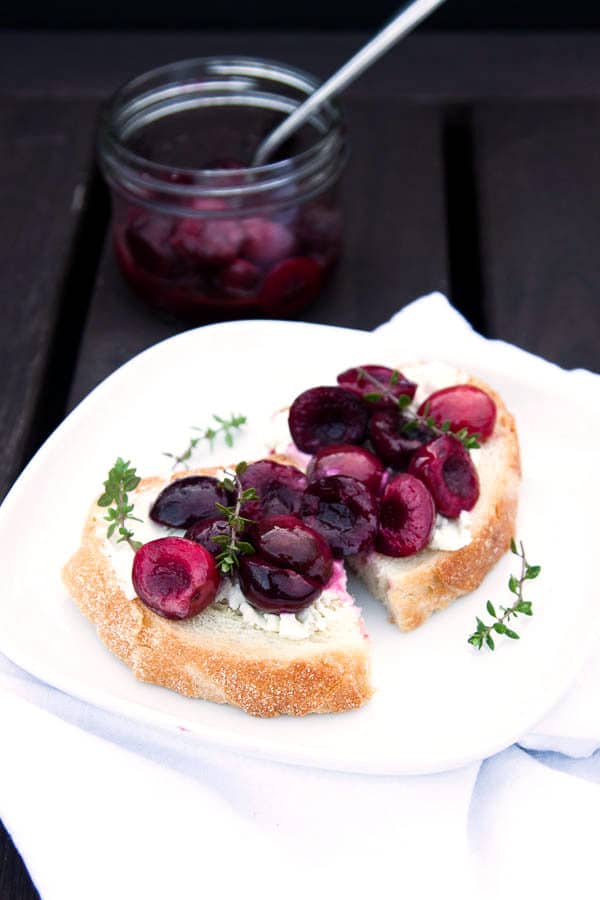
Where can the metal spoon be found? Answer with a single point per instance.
(401, 25)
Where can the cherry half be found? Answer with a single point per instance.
(395, 383)
(279, 488)
(287, 542)
(392, 444)
(187, 500)
(343, 511)
(446, 469)
(347, 459)
(175, 578)
(406, 517)
(323, 416)
(272, 589)
(463, 406)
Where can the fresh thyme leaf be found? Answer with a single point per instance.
(415, 420)
(483, 632)
(232, 545)
(394, 377)
(120, 480)
(227, 427)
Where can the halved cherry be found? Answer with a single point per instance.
(175, 578)
(272, 589)
(393, 439)
(266, 242)
(406, 517)
(343, 511)
(148, 238)
(463, 406)
(362, 384)
(445, 467)
(187, 500)
(323, 416)
(346, 459)
(240, 278)
(203, 532)
(291, 284)
(207, 241)
(289, 543)
(279, 488)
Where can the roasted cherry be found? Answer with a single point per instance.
(205, 530)
(207, 242)
(287, 542)
(445, 467)
(343, 511)
(187, 500)
(463, 406)
(148, 238)
(240, 278)
(273, 589)
(323, 416)
(266, 242)
(406, 517)
(392, 442)
(279, 489)
(291, 284)
(174, 577)
(346, 459)
(394, 382)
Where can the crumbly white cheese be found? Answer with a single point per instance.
(295, 626)
(451, 534)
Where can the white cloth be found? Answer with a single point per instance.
(101, 807)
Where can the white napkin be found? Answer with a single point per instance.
(101, 807)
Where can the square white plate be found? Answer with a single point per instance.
(438, 702)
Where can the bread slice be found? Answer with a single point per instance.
(217, 655)
(414, 587)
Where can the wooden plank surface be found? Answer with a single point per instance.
(538, 177)
(44, 161)
(395, 241)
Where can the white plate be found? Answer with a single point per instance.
(438, 702)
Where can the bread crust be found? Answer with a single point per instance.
(313, 678)
(412, 595)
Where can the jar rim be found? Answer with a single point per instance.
(214, 182)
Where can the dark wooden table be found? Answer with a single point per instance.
(475, 169)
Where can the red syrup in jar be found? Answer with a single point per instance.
(200, 233)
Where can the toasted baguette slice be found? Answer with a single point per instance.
(216, 655)
(412, 588)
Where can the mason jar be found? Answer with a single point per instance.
(200, 232)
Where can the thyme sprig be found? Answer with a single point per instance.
(483, 633)
(414, 420)
(232, 546)
(122, 479)
(227, 427)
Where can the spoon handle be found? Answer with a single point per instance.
(401, 25)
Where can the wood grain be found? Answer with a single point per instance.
(44, 158)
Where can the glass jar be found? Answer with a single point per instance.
(199, 231)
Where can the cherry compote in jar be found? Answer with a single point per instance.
(198, 231)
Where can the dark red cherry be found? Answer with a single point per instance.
(406, 517)
(289, 543)
(464, 406)
(240, 278)
(266, 242)
(323, 416)
(291, 284)
(445, 467)
(148, 238)
(187, 500)
(392, 440)
(343, 511)
(175, 578)
(279, 488)
(269, 588)
(394, 382)
(207, 241)
(346, 459)
(205, 530)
